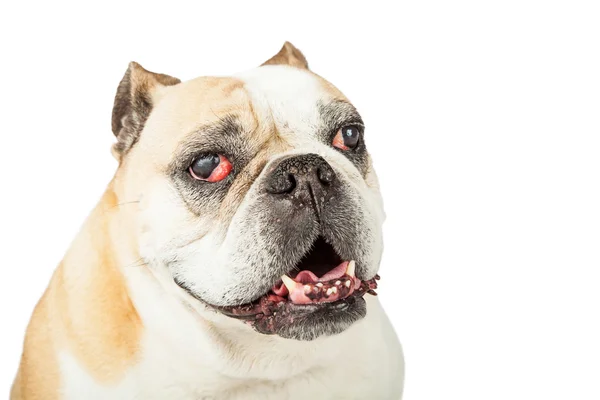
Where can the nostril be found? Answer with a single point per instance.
(325, 174)
(282, 183)
(291, 183)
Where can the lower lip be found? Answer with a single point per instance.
(267, 306)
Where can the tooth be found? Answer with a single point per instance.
(347, 284)
(307, 288)
(289, 283)
(329, 291)
(338, 283)
(350, 268)
(333, 290)
(319, 284)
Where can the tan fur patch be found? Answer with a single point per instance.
(38, 377)
(110, 199)
(100, 323)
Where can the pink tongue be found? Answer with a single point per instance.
(309, 277)
(302, 295)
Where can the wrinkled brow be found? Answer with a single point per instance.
(224, 136)
(338, 113)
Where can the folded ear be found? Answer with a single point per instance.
(133, 103)
(288, 55)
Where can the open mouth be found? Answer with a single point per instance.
(320, 281)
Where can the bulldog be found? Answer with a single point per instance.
(234, 255)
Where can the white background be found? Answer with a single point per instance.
(483, 120)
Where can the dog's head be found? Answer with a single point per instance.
(256, 193)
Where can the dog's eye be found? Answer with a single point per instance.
(346, 138)
(210, 168)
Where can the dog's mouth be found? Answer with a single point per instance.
(321, 283)
(320, 277)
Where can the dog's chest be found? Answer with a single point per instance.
(353, 373)
(363, 373)
(161, 378)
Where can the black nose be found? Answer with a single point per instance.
(306, 173)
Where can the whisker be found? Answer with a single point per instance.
(140, 262)
(109, 208)
(126, 202)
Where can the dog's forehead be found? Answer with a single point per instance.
(288, 97)
(268, 100)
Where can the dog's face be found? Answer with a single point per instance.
(245, 179)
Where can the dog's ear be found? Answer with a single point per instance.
(288, 55)
(133, 103)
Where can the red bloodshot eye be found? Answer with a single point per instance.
(210, 168)
(346, 138)
(338, 141)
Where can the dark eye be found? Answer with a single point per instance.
(346, 138)
(210, 168)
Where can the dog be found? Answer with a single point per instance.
(234, 254)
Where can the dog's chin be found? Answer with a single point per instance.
(308, 322)
(304, 322)
(320, 297)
